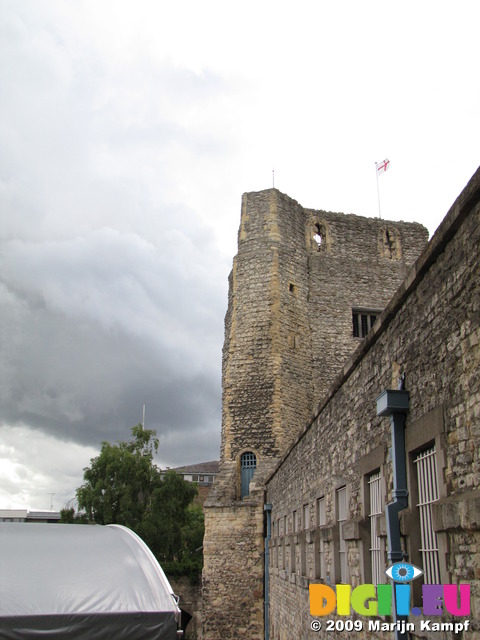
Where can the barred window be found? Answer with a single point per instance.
(295, 522)
(248, 464)
(428, 493)
(362, 322)
(341, 495)
(322, 520)
(376, 510)
(306, 516)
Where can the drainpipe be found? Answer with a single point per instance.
(268, 510)
(395, 404)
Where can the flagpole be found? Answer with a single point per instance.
(378, 191)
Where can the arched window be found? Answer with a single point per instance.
(319, 234)
(248, 464)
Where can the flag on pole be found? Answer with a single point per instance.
(383, 166)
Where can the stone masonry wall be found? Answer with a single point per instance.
(288, 329)
(359, 265)
(235, 611)
(431, 332)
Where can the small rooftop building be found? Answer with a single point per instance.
(203, 473)
(26, 515)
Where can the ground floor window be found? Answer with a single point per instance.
(376, 510)
(428, 493)
(322, 520)
(341, 518)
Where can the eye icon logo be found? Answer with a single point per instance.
(403, 572)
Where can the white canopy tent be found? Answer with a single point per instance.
(81, 581)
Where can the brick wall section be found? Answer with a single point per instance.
(288, 329)
(431, 331)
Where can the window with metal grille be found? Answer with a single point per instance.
(376, 509)
(306, 516)
(322, 520)
(362, 322)
(248, 464)
(341, 518)
(428, 493)
(303, 538)
(293, 545)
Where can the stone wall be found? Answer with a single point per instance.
(359, 265)
(190, 601)
(297, 277)
(430, 331)
(233, 572)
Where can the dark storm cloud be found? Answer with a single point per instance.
(96, 326)
(112, 292)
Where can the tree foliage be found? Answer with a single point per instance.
(124, 486)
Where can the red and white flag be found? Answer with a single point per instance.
(383, 166)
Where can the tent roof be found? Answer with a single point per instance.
(79, 570)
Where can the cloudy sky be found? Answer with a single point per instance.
(129, 131)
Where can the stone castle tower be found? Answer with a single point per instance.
(305, 288)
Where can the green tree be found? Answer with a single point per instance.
(68, 516)
(124, 486)
(120, 481)
(165, 521)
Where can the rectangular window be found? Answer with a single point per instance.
(295, 522)
(322, 520)
(341, 518)
(362, 322)
(306, 516)
(376, 510)
(428, 493)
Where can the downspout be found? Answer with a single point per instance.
(395, 404)
(268, 510)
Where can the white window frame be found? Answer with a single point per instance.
(341, 513)
(428, 493)
(377, 552)
(322, 520)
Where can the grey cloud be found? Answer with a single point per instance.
(95, 326)
(112, 293)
